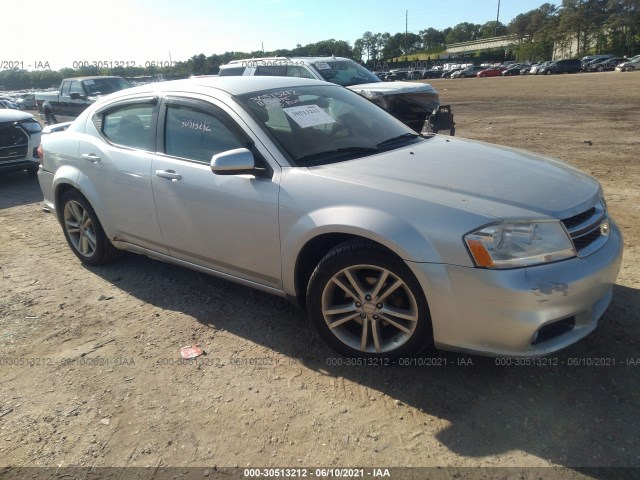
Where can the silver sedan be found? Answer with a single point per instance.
(392, 241)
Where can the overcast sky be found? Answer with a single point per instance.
(139, 31)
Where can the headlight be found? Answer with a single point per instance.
(512, 245)
(32, 127)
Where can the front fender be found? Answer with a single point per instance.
(394, 233)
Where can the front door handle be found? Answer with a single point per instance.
(90, 157)
(170, 174)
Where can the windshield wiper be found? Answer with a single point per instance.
(338, 152)
(400, 138)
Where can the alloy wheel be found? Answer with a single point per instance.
(369, 309)
(79, 228)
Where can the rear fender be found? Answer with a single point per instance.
(69, 176)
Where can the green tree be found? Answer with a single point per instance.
(583, 20)
(623, 26)
(463, 32)
(537, 31)
(432, 38)
(492, 29)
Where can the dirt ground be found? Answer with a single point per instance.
(90, 371)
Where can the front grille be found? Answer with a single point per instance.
(576, 220)
(14, 143)
(589, 230)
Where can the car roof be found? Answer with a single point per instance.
(93, 77)
(230, 85)
(285, 59)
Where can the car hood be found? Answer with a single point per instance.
(494, 181)
(14, 115)
(391, 88)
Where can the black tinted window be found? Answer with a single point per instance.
(129, 126)
(272, 71)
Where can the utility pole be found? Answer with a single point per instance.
(495, 32)
(406, 32)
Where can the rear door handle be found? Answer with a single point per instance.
(170, 174)
(90, 157)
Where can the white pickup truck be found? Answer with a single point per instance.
(412, 103)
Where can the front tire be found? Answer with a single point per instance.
(83, 230)
(365, 302)
(50, 118)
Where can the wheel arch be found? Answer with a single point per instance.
(64, 183)
(314, 250)
(314, 235)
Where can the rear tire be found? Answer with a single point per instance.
(83, 230)
(365, 302)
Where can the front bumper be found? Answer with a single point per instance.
(509, 312)
(412, 109)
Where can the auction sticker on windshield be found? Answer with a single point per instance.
(308, 115)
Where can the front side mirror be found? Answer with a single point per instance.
(233, 162)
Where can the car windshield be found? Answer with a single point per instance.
(344, 72)
(315, 125)
(105, 86)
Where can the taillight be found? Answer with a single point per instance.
(40, 152)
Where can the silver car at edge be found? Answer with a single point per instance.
(393, 241)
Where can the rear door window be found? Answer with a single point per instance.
(128, 126)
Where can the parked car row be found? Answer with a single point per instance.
(414, 104)
(18, 101)
(590, 63)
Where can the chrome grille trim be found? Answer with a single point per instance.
(589, 230)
